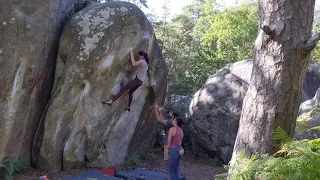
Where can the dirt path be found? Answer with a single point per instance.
(192, 168)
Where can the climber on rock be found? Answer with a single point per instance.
(142, 68)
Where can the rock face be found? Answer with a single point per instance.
(309, 117)
(216, 107)
(30, 32)
(93, 63)
(311, 83)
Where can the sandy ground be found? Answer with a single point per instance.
(191, 167)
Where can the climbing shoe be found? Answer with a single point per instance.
(127, 109)
(106, 102)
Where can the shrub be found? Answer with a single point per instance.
(294, 160)
(10, 166)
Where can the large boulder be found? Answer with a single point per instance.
(93, 63)
(30, 32)
(311, 83)
(309, 117)
(216, 107)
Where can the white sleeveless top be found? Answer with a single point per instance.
(142, 70)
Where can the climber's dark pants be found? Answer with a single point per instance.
(132, 85)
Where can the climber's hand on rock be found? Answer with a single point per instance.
(156, 107)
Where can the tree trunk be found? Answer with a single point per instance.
(281, 54)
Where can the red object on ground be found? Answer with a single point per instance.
(109, 172)
(44, 178)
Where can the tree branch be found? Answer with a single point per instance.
(312, 42)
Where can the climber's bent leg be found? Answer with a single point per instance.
(137, 84)
(124, 88)
(134, 84)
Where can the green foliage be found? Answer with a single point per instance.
(281, 136)
(179, 104)
(298, 160)
(132, 160)
(231, 33)
(201, 40)
(10, 166)
(315, 144)
(302, 121)
(179, 48)
(317, 128)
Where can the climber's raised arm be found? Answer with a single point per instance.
(134, 62)
(159, 115)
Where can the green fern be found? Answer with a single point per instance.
(282, 136)
(302, 121)
(299, 160)
(132, 160)
(315, 144)
(10, 166)
(317, 128)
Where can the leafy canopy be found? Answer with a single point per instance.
(201, 40)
